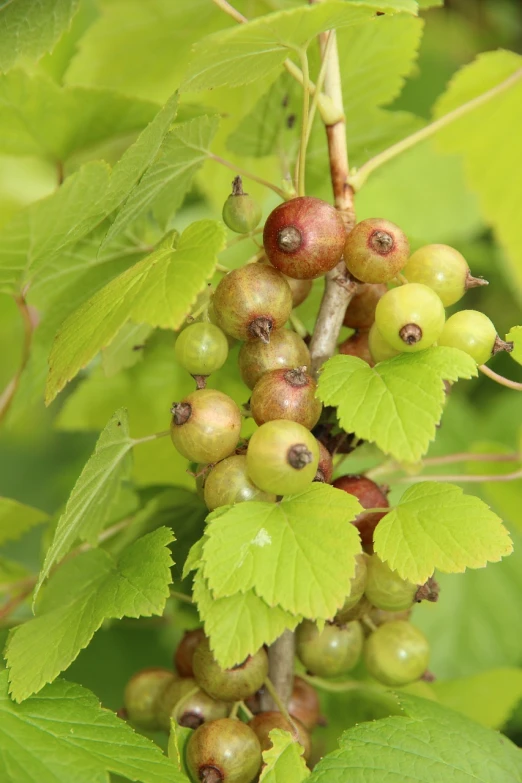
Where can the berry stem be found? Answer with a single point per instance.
(298, 326)
(148, 438)
(500, 378)
(301, 160)
(186, 599)
(249, 175)
(241, 238)
(337, 687)
(245, 709)
(281, 706)
(448, 459)
(462, 479)
(9, 392)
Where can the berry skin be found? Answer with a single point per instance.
(252, 301)
(228, 483)
(335, 650)
(282, 457)
(285, 350)
(186, 703)
(360, 313)
(241, 212)
(385, 589)
(304, 238)
(264, 722)
(378, 347)
(286, 394)
(205, 426)
(201, 348)
(358, 585)
(369, 495)
(300, 289)
(223, 751)
(410, 317)
(376, 251)
(357, 345)
(472, 332)
(443, 269)
(396, 653)
(185, 651)
(304, 704)
(142, 694)
(325, 467)
(229, 684)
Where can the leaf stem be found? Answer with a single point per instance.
(358, 178)
(319, 86)
(462, 479)
(7, 396)
(242, 237)
(301, 160)
(336, 687)
(464, 456)
(245, 709)
(500, 378)
(249, 175)
(147, 438)
(181, 597)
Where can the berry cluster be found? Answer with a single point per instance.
(198, 694)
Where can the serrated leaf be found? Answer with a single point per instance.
(178, 738)
(437, 526)
(64, 728)
(126, 349)
(255, 50)
(283, 762)
(240, 624)
(16, 519)
(30, 28)
(515, 336)
(488, 698)
(430, 744)
(396, 404)
(85, 591)
(499, 192)
(95, 493)
(159, 291)
(298, 554)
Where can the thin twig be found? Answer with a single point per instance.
(500, 378)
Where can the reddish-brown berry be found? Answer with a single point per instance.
(304, 238)
(223, 751)
(304, 704)
(286, 394)
(357, 345)
(360, 313)
(264, 722)
(234, 684)
(285, 350)
(185, 651)
(325, 467)
(369, 495)
(376, 251)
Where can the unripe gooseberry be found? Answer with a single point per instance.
(186, 703)
(334, 650)
(285, 350)
(443, 269)
(282, 457)
(205, 426)
(410, 317)
(360, 313)
(241, 212)
(223, 751)
(252, 301)
(286, 394)
(472, 332)
(185, 651)
(228, 482)
(234, 684)
(325, 466)
(201, 348)
(304, 237)
(396, 653)
(376, 250)
(357, 345)
(369, 495)
(385, 589)
(379, 349)
(263, 723)
(357, 588)
(142, 694)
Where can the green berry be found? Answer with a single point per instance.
(201, 348)
(282, 457)
(396, 653)
(142, 694)
(234, 684)
(228, 482)
(444, 270)
(472, 332)
(385, 589)
(223, 751)
(410, 317)
(334, 650)
(285, 350)
(286, 394)
(375, 251)
(241, 212)
(205, 426)
(358, 585)
(183, 701)
(378, 347)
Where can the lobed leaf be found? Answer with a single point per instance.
(437, 526)
(283, 761)
(16, 519)
(515, 336)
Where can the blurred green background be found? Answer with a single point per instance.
(127, 45)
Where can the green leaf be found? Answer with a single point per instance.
(159, 291)
(430, 744)
(178, 738)
(126, 349)
(64, 728)
(257, 49)
(164, 184)
(281, 552)
(499, 192)
(37, 117)
(16, 519)
(503, 496)
(80, 595)
(488, 698)
(240, 624)
(30, 28)
(283, 762)
(396, 404)
(95, 493)
(515, 336)
(437, 526)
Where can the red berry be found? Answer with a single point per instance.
(286, 394)
(304, 704)
(357, 345)
(369, 495)
(185, 651)
(285, 349)
(264, 722)
(304, 238)
(376, 251)
(325, 467)
(360, 313)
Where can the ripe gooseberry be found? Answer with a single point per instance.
(443, 269)
(472, 332)
(304, 704)
(410, 317)
(241, 212)
(396, 653)
(201, 348)
(263, 723)
(325, 466)
(286, 394)
(360, 313)
(369, 495)
(304, 237)
(142, 694)
(234, 684)
(376, 250)
(228, 482)
(285, 350)
(332, 651)
(223, 751)
(205, 426)
(282, 457)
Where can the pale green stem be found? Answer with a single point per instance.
(461, 479)
(320, 82)
(301, 162)
(181, 597)
(245, 709)
(147, 438)
(298, 326)
(500, 378)
(249, 175)
(279, 704)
